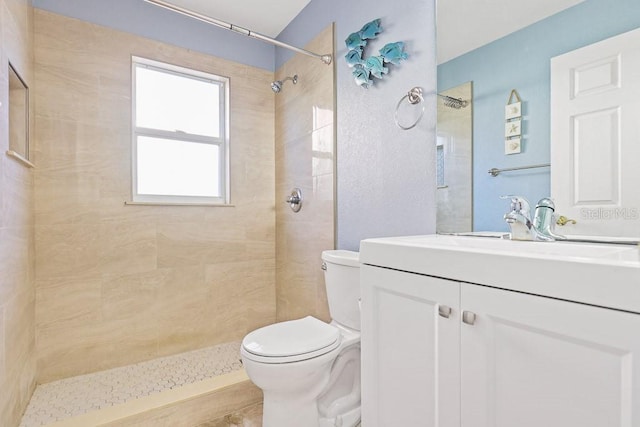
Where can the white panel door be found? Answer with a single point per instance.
(410, 351)
(531, 361)
(595, 137)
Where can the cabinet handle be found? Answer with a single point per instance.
(468, 317)
(444, 311)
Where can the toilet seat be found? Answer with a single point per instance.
(291, 341)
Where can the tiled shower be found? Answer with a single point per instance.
(94, 284)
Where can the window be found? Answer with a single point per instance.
(180, 146)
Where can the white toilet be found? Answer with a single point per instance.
(308, 370)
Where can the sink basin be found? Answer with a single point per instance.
(591, 247)
(586, 272)
(558, 251)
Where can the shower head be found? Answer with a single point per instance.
(276, 86)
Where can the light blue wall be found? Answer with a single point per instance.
(147, 20)
(521, 61)
(385, 176)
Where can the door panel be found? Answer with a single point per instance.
(595, 135)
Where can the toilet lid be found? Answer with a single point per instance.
(291, 338)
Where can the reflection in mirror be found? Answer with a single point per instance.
(454, 160)
(18, 116)
(519, 60)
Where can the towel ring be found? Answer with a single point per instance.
(414, 96)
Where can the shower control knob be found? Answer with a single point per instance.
(295, 200)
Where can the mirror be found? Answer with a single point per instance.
(18, 116)
(505, 51)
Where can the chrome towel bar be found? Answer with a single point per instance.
(496, 172)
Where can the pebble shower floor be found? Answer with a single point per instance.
(59, 400)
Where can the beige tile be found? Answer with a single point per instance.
(132, 297)
(324, 191)
(246, 417)
(17, 296)
(322, 151)
(242, 293)
(69, 302)
(128, 247)
(67, 197)
(94, 347)
(18, 203)
(19, 344)
(304, 158)
(66, 250)
(3, 340)
(321, 310)
(148, 261)
(183, 314)
(196, 410)
(131, 342)
(15, 265)
(192, 244)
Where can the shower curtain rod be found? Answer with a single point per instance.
(326, 58)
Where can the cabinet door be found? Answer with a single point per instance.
(410, 352)
(531, 361)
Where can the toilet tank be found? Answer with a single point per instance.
(342, 280)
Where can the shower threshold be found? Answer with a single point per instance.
(103, 398)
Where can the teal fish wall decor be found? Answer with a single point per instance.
(355, 41)
(354, 57)
(364, 68)
(394, 53)
(375, 65)
(371, 29)
(362, 77)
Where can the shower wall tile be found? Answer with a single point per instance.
(248, 304)
(17, 288)
(69, 302)
(305, 158)
(131, 297)
(128, 247)
(66, 250)
(118, 284)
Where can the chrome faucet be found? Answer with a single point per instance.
(544, 219)
(520, 222)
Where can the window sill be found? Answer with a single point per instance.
(214, 205)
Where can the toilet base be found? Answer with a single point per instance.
(288, 411)
(348, 419)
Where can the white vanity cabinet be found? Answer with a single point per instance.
(532, 361)
(410, 347)
(498, 358)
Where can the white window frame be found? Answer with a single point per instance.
(222, 141)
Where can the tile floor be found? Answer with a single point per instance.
(246, 417)
(74, 396)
